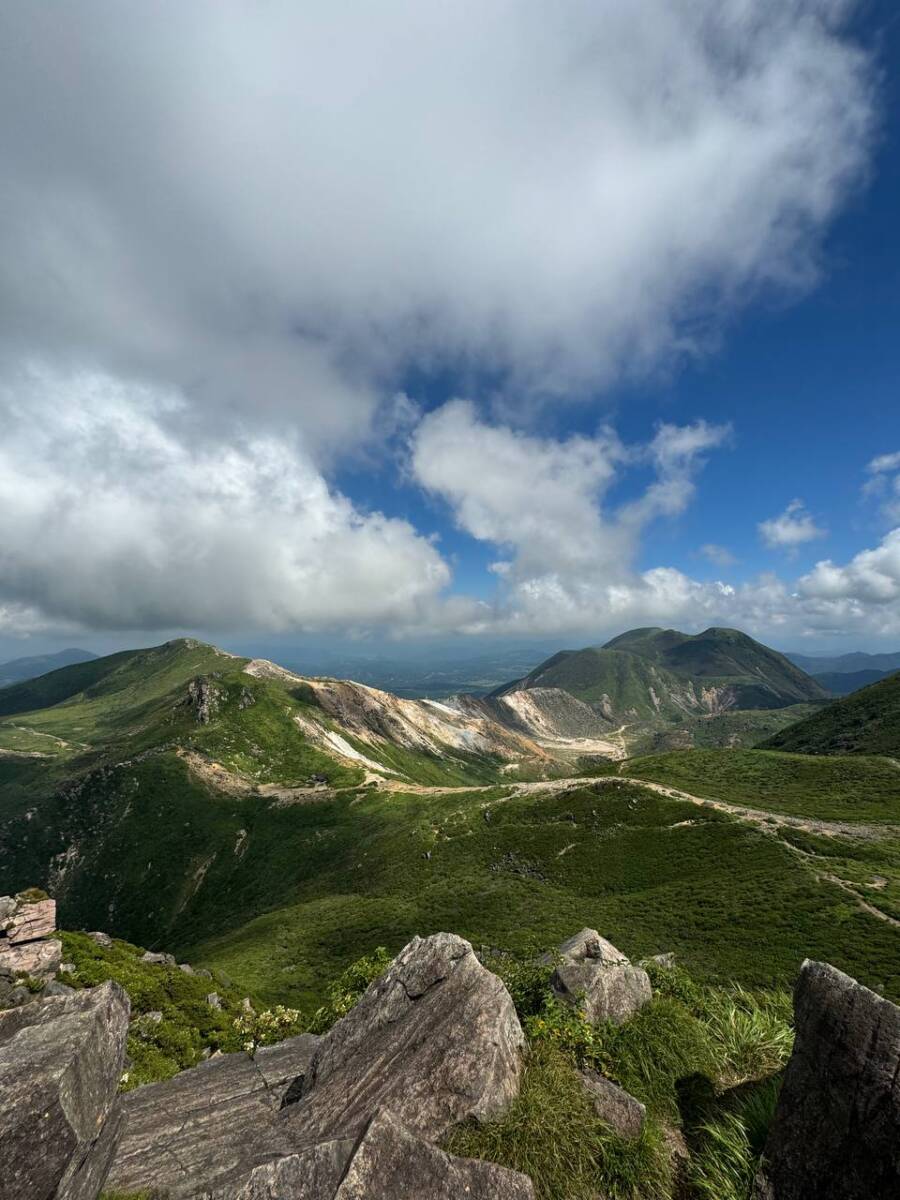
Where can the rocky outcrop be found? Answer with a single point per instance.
(26, 950)
(60, 1064)
(203, 697)
(618, 1108)
(202, 1122)
(158, 958)
(594, 976)
(385, 1163)
(432, 1042)
(836, 1132)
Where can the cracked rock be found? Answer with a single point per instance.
(386, 1163)
(434, 1041)
(200, 1123)
(836, 1132)
(60, 1063)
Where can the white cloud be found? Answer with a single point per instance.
(229, 230)
(273, 208)
(884, 484)
(790, 529)
(721, 556)
(884, 462)
(111, 518)
(569, 559)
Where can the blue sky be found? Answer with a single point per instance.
(470, 325)
(808, 381)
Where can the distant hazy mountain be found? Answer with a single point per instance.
(823, 664)
(20, 669)
(842, 683)
(867, 722)
(653, 672)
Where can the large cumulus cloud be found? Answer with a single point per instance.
(228, 230)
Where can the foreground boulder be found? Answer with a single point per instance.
(203, 1121)
(599, 979)
(60, 1064)
(432, 1042)
(435, 1040)
(386, 1163)
(836, 1132)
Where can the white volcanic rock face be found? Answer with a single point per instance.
(379, 718)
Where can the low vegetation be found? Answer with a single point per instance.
(173, 1024)
(860, 789)
(515, 871)
(704, 1060)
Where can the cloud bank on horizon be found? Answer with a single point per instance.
(230, 232)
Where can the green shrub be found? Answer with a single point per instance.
(188, 1026)
(727, 1146)
(32, 895)
(527, 980)
(751, 1032)
(650, 1054)
(265, 1028)
(349, 987)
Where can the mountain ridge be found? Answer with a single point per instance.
(865, 722)
(652, 672)
(17, 670)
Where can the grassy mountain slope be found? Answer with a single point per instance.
(734, 729)
(652, 873)
(865, 722)
(725, 655)
(614, 682)
(833, 789)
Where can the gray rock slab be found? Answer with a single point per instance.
(434, 1041)
(40, 959)
(592, 975)
(201, 1122)
(31, 921)
(836, 1132)
(60, 1064)
(387, 1162)
(618, 1108)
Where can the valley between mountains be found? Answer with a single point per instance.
(275, 827)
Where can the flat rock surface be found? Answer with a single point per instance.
(60, 1064)
(31, 921)
(200, 1122)
(387, 1162)
(836, 1132)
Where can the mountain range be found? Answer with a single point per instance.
(652, 673)
(18, 669)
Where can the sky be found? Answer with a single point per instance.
(459, 323)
